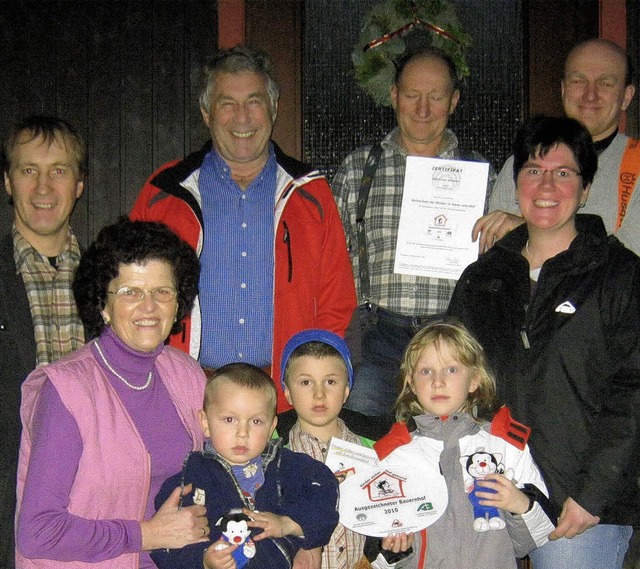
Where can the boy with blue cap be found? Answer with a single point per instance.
(317, 376)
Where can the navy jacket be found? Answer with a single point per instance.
(295, 485)
(567, 360)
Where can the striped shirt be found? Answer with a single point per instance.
(344, 549)
(405, 294)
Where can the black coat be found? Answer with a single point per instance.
(567, 360)
(17, 359)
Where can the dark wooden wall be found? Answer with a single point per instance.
(126, 74)
(285, 48)
(553, 28)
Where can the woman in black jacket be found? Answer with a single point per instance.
(556, 305)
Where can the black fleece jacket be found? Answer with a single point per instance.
(567, 360)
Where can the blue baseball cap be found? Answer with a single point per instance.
(317, 335)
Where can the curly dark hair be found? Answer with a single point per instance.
(126, 242)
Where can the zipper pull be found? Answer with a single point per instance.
(287, 239)
(525, 339)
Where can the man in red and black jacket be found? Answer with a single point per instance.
(266, 227)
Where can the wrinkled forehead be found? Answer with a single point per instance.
(425, 67)
(596, 58)
(28, 141)
(38, 138)
(242, 82)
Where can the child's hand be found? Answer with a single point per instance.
(397, 543)
(272, 524)
(218, 555)
(507, 495)
(308, 558)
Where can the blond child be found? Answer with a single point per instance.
(290, 498)
(495, 491)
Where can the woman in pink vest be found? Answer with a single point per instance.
(105, 426)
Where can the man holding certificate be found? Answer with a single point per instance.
(398, 291)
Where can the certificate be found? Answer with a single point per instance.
(392, 499)
(441, 201)
(380, 500)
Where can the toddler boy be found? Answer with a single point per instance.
(317, 375)
(290, 497)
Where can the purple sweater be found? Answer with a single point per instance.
(45, 528)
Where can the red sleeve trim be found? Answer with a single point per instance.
(398, 435)
(505, 427)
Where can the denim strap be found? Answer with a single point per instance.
(368, 173)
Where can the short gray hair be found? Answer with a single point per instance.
(237, 60)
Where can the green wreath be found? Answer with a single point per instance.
(396, 25)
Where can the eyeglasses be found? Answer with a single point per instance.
(133, 294)
(557, 174)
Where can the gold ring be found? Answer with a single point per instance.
(204, 532)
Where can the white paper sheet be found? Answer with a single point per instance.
(441, 201)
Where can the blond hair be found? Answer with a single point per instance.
(246, 376)
(481, 403)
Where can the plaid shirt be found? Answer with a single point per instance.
(406, 294)
(344, 549)
(57, 327)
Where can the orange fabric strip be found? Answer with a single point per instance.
(629, 170)
(423, 549)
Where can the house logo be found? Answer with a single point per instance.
(385, 486)
(439, 229)
(440, 220)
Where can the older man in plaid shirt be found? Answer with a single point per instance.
(394, 306)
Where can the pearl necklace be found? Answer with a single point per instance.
(114, 372)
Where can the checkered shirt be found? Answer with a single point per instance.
(344, 549)
(58, 329)
(405, 294)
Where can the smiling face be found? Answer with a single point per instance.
(143, 325)
(238, 420)
(440, 382)
(317, 389)
(240, 119)
(44, 183)
(548, 203)
(423, 99)
(593, 88)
